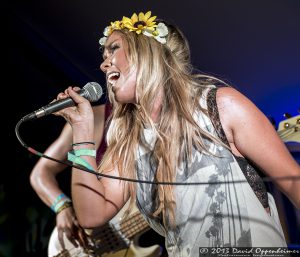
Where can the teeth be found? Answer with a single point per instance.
(112, 77)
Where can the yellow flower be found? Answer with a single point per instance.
(140, 23)
(116, 25)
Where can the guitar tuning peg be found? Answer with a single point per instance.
(287, 115)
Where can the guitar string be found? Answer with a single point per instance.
(128, 230)
(286, 130)
(109, 233)
(132, 232)
(126, 225)
(74, 251)
(105, 235)
(287, 134)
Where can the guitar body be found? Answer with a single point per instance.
(119, 238)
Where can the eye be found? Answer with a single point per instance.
(110, 50)
(114, 47)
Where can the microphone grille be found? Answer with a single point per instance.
(92, 91)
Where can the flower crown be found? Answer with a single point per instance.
(142, 23)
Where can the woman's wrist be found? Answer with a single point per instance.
(83, 135)
(84, 128)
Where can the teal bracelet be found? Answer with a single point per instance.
(58, 199)
(74, 156)
(84, 151)
(61, 203)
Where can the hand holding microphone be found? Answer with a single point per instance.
(79, 112)
(79, 117)
(92, 91)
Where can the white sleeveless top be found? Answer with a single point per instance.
(210, 215)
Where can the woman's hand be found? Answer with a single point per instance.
(79, 114)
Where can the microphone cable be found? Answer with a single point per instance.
(99, 175)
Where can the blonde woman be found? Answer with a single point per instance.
(172, 125)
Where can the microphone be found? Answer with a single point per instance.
(92, 91)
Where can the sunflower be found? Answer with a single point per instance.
(140, 23)
(116, 25)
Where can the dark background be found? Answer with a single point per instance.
(50, 45)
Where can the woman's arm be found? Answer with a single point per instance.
(251, 135)
(95, 201)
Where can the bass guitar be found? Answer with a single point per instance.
(118, 238)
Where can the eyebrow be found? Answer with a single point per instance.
(108, 47)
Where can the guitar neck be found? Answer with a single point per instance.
(133, 225)
(111, 240)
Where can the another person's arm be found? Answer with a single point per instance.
(44, 181)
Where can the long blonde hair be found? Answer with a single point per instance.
(166, 68)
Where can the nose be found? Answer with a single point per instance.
(105, 64)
